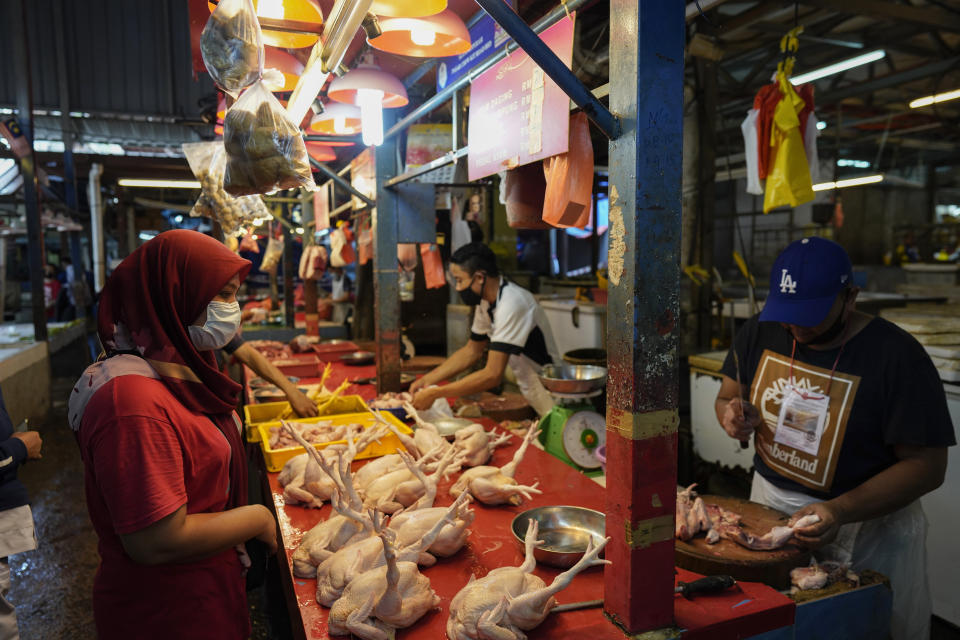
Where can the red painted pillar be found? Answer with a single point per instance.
(646, 57)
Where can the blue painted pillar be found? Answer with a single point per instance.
(386, 279)
(646, 93)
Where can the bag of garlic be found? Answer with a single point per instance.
(265, 150)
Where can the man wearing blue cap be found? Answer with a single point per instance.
(849, 420)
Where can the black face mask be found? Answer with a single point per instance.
(834, 331)
(469, 296)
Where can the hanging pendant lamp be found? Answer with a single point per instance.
(408, 8)
(288, 65)
(295, 10)
(371, 89)
(443, 34)
(337, 119)
(321, 152)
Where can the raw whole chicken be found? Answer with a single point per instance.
(426, 437)
(496, 485)
(341, 568)
(510, 600)
(475, 445)
(374, 469)
(401, 488)
(411, 525)
(391, 400)
(381, 600)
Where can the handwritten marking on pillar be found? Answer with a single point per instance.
(655, 501)
(618, 246)
(653, 530)
(641, 426)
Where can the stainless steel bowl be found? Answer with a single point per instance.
(358, 357)
(573, 378)
(564, 530)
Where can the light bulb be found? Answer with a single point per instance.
(370, 102)
(270, 9)
(423, 37)
(340, 124)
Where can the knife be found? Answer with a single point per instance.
(736, 363)
(709, 584)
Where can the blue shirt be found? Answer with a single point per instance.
(13, 453)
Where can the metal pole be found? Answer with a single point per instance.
(442, 96)
(288, 310)
(339, 181)
(538, 50)
(647, 40)
(21, 64)
(386, 281)
(96, 225)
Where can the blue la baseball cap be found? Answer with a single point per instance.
(805, 281)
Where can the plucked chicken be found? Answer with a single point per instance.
(496, 485)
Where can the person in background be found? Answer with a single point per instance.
(341, 295)
(51, 290)
(849, 419)
(16, 521)
(162, 448)
(508, 319)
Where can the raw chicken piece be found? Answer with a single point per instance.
(426, 436)
(404, 487)
(510, 600)
(391, 400)
(812, 577)
(773, 539)
(495, 485)
(378, 602)
(475, 445)
(411, 525)
(341, 568)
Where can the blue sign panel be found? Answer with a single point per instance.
(486, 36)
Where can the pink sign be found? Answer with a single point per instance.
(509, 105)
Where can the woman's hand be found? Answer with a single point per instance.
(740, 419)
(819, 533)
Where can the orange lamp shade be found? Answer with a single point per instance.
(432, 37)
(365, 76)
(289, 66)
(321, 152)
(295, 10)
(337, 119)
(221, 108)
(408, 8)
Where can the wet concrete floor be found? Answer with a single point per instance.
(52, 586)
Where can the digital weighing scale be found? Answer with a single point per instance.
(573, 431)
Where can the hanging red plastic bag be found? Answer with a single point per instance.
(407, 257)
(569, 178)
(249, 243)
(232, 46)
(788, 182)
(432, 266)
(265, 150)
(522, 192)
(341, 249)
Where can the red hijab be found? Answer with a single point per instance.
(151, 298)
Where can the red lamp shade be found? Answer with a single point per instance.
(321, 152)
(295, 10)
(432, 37)
(408, 8)
(337, 119)
(344, 88)
(289, 66)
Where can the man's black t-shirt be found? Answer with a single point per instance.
(885, 392)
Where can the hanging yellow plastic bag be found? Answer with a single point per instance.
(788, 182)
(265, 150)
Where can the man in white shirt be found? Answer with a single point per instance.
(507, 319)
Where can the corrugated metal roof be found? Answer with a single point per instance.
(122, 57)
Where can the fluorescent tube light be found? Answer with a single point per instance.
(158, 184)
(939, 97)
(849, 182)
(839, 67)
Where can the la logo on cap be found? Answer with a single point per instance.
(787, 283)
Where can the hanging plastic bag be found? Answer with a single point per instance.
(459, 228)
(249, 243)
(365, 242)
(207, 160)
(523, 191)
(569, 178)
(341, 251)
(265, 150)
(788, 182)
(271, 255)
(407, 257)
(432, 266)
(232, 46)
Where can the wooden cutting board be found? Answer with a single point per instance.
(728, 557)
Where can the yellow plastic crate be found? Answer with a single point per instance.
(276, 458)
(255, 414)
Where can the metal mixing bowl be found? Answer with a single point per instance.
(358, 357)
(573, 378)
(565, 531)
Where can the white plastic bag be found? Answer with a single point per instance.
(232, 46)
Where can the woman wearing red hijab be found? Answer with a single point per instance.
(163, 455)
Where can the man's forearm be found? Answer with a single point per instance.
(474, 383)
(889, 490)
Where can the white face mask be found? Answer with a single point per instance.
(223, 320)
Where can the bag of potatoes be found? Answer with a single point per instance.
(265, 151)
(232, 46)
